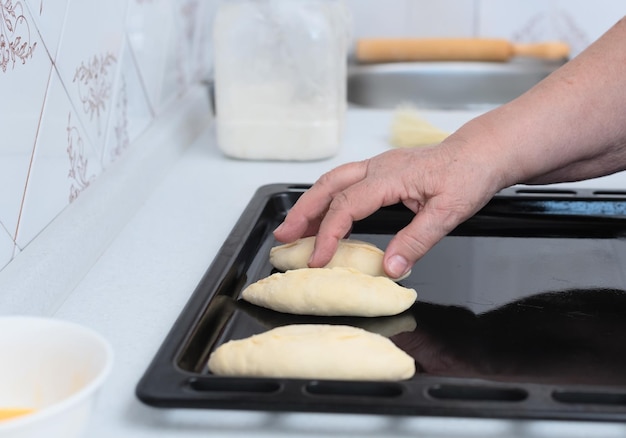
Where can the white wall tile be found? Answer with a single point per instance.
(577, 22)
(49, 18)
(377, 18)
(443, 18)
(518, 20)
(177, 66)
(76, 96)
(150, 29)
(582, 21)
(7, 247)
(23, 80)
(201, 53)
(64, 164)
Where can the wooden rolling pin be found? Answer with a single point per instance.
(370, 50)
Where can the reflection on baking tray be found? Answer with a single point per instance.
(573, 336)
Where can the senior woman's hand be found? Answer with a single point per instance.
(571, 126)
(442, 185)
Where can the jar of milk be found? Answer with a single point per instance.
(280, 78)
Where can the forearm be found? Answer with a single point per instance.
(571, 126)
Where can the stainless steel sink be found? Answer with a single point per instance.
(443, 85)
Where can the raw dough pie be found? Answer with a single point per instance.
(313, 351)
(351, 253)
(330, 292)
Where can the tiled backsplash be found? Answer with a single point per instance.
(80, 80)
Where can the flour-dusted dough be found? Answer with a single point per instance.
(330, 292)
(313, 351)
(351, 253)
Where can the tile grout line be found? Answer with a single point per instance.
(34, 150)
(131, 51)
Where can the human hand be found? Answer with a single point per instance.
(443, 185)
(568, 127)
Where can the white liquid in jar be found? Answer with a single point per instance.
(278, 140)
(280, 71)
(266, 122)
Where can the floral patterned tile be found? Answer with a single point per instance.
(75, 96)
(64, 164)
(88, 62)
(49, 18)
(131, 113)
(18, 34)
(24, 73)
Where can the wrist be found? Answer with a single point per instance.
(479, 144)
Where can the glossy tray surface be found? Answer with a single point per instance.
(521, 313)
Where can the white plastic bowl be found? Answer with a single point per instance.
(54, 367)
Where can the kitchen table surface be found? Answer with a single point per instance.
(138, 287)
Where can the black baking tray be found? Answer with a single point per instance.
(521, 313)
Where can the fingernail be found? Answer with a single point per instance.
(278, 228)
(397, 266)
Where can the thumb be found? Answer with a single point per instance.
(413, 241)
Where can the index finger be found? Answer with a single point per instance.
(305, 215)
(354, 203)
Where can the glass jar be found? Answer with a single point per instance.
(280, 78)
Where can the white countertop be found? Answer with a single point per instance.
(137, 288)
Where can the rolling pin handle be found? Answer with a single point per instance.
(550, 50)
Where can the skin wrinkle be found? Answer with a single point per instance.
(340, 203)
(443, 218)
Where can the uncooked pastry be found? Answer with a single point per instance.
(409, 129)
(313, 351)
(330, 292)
(351, 253)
